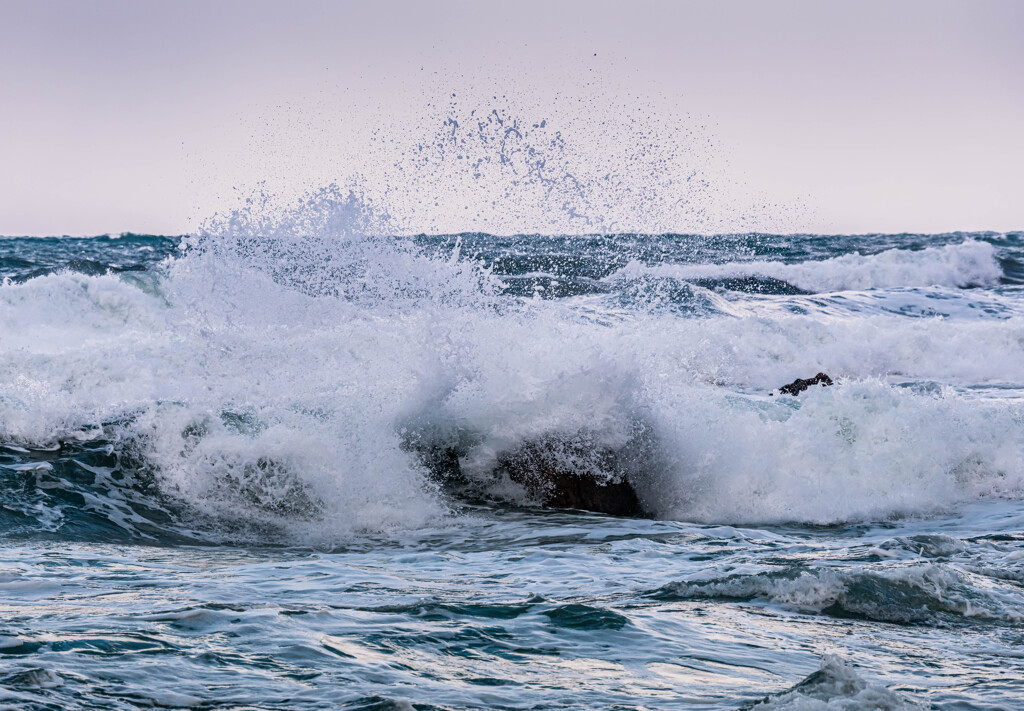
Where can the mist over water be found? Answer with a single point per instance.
(223, 428)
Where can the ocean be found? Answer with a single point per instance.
(214, 493)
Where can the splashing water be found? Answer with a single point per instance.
(266, 389)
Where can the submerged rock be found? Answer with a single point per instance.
(564, 474)
(556, 471)
(801, 384)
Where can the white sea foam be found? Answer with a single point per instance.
(862, 449)
(270, 374)
(970, 263)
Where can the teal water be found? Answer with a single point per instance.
(208, 499)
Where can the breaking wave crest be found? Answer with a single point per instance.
(971, 263)
(269, 377)
(915, 594)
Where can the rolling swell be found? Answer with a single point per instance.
(76, 493)
(24, 258)
(97, 490)
(925, 594)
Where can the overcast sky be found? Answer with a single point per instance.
(831, 116)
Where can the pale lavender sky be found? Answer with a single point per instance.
(837, 116)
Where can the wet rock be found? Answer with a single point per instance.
(438, 449)
(571, 474)
(801, 384)
(442, 461)
(558, 470)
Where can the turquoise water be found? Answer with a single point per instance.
(209, 500)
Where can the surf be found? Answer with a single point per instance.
(266, 376)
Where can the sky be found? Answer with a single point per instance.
(796, 116)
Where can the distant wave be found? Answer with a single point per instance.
(922, 592)
(970, 263)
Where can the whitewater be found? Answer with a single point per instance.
(214, 495)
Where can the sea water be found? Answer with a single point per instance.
(209, 498)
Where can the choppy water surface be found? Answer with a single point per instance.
(211, 498)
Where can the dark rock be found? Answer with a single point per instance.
(439, 450)
(443, 463)
(800, 384)
(558, 470)
(571, 474)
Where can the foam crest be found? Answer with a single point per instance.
(904, 595)
(761, 351)
(291, 406)
(857, 451)
(333, 243)
(257, 380)
(971, 263)
(836, 686)
(666, 394)
(277, 371)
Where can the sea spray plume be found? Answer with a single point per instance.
(309, 326)
(338, 243)
(574, 167)
(239, 387)
(305, 251)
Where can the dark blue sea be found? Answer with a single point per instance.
(214, 493)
